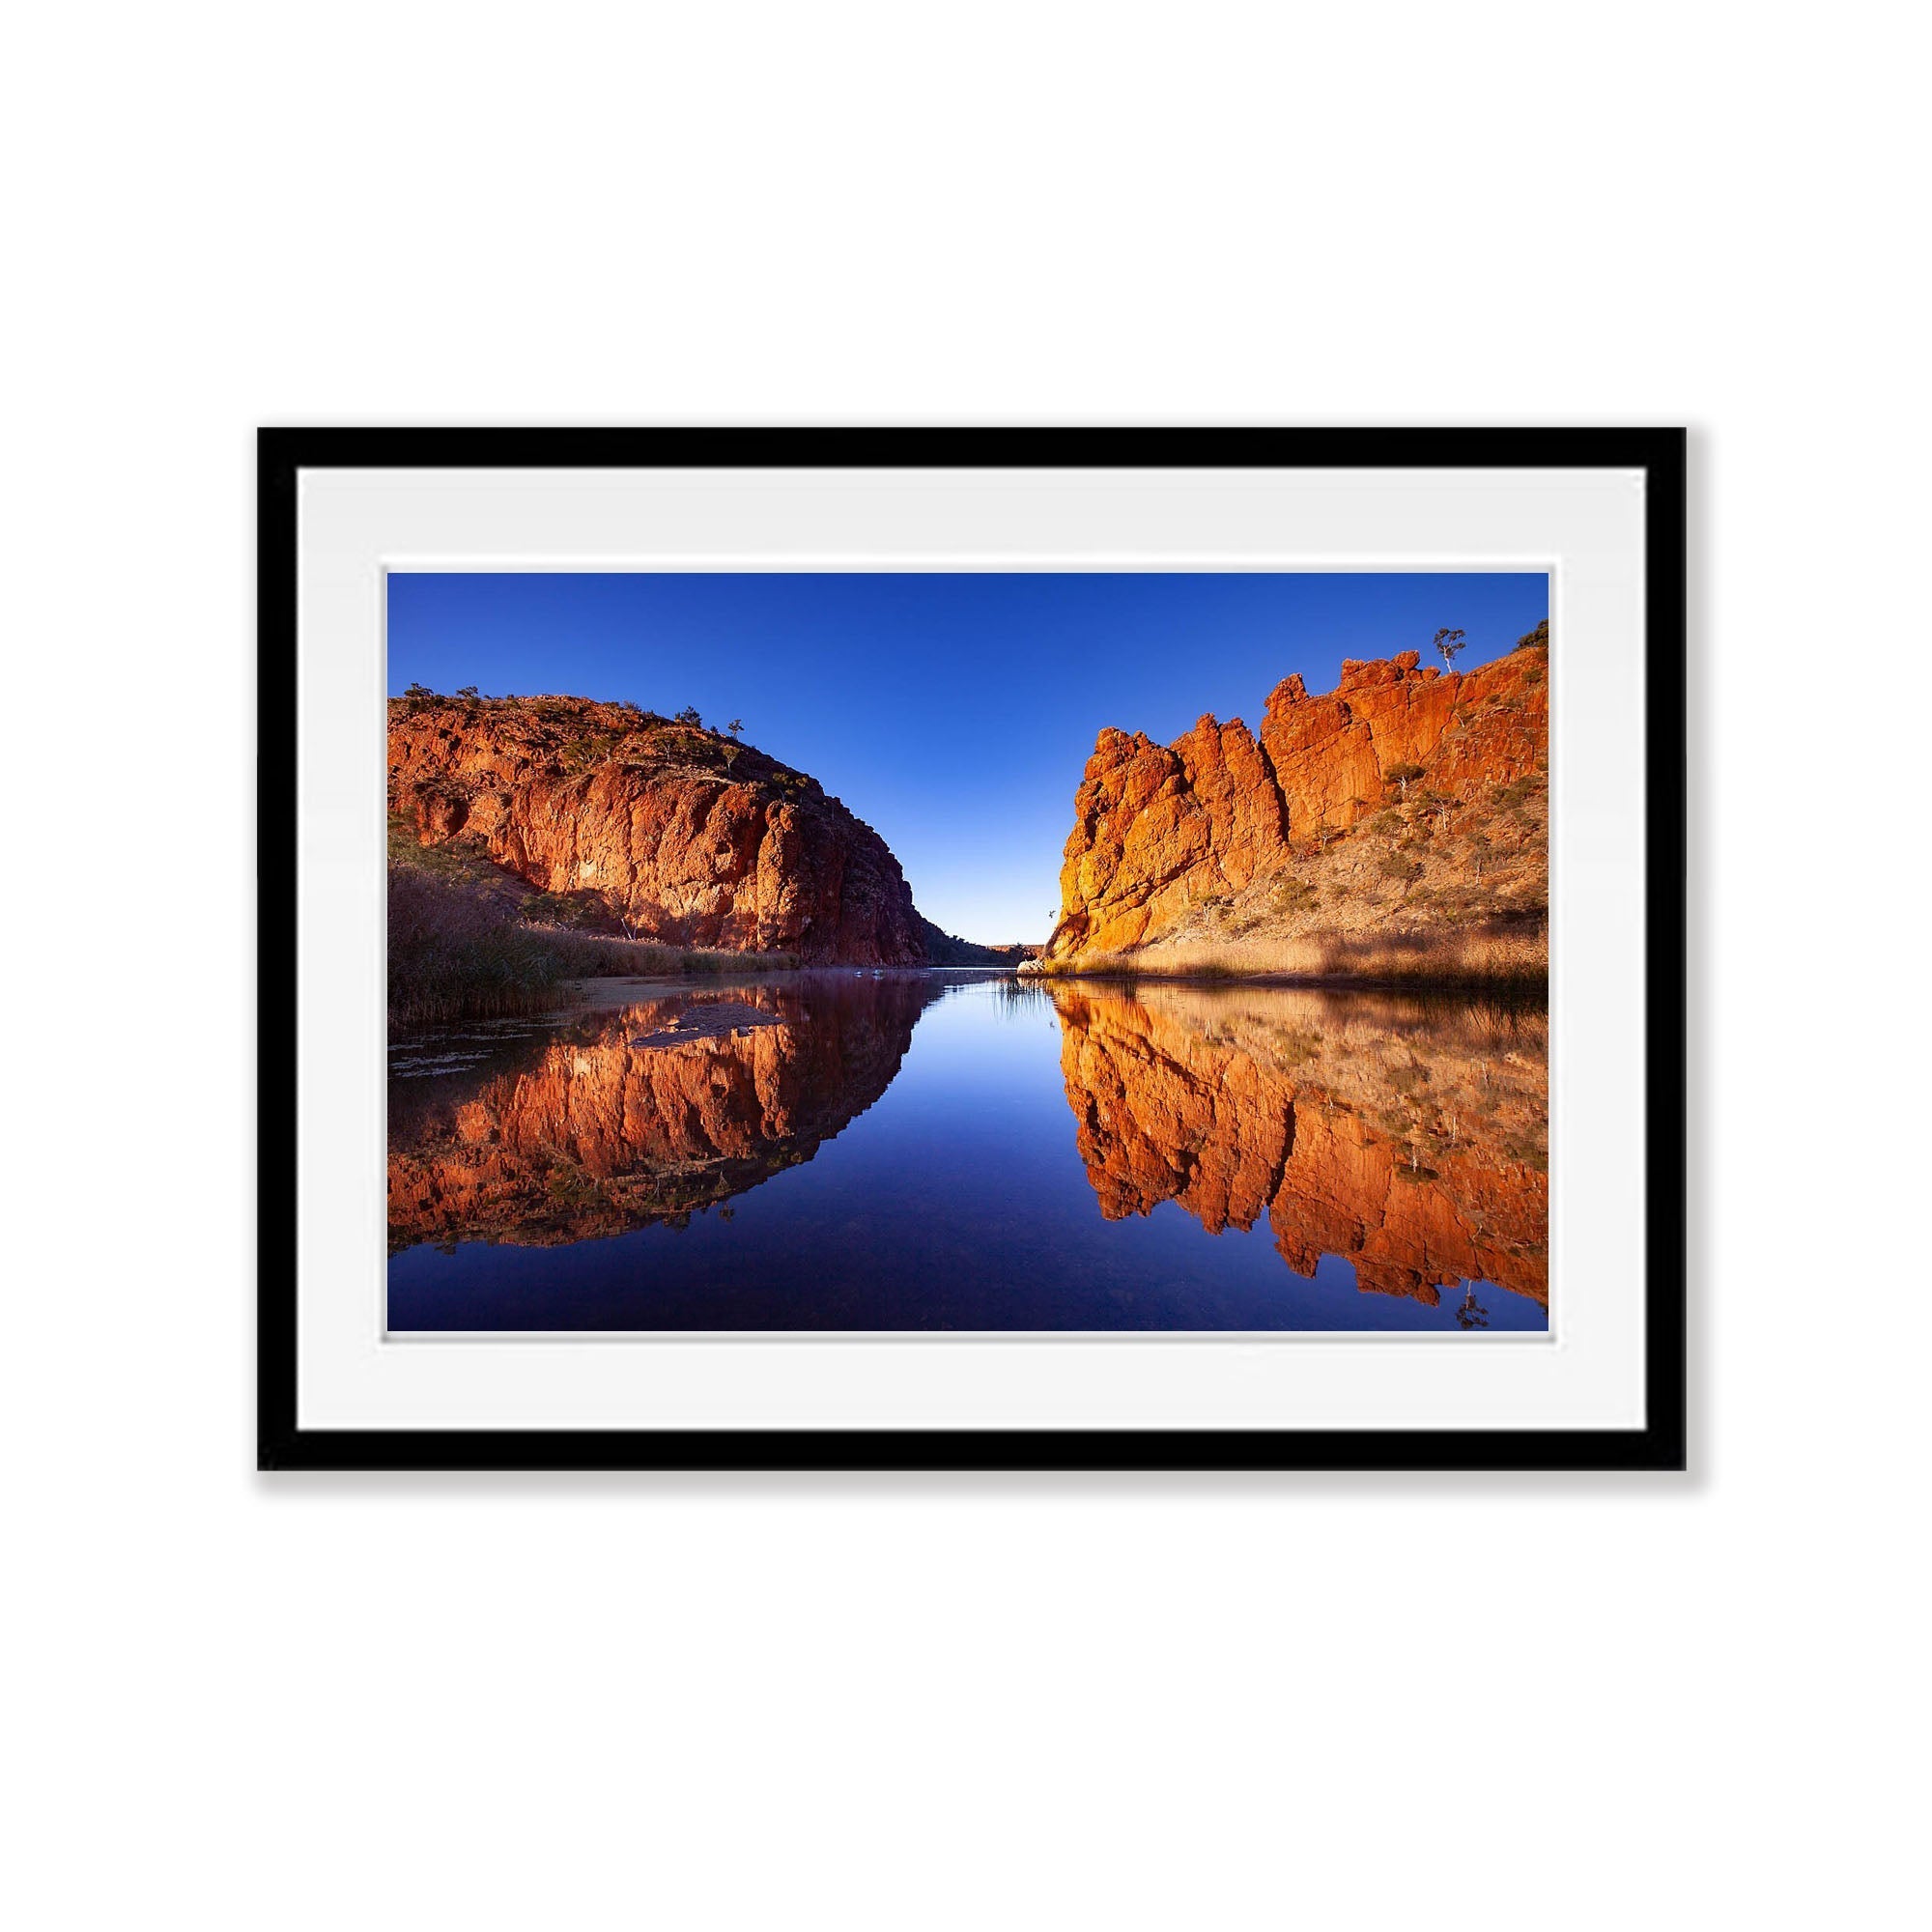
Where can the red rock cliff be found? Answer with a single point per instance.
(1161, 830)
(687, 835)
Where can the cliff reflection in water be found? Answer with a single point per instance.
(623, 1117)
(1409, 1138)
(925, 1151)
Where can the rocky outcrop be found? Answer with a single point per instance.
(639, 1115)
(1161, 830)
(1410, 1142)
(682, 834)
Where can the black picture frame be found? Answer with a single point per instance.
(282, 1444)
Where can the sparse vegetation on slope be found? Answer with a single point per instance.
(467, 942)
(1395, 830)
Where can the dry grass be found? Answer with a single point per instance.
(594, 956)
(459, 952)
(456, 953)
(1517, 956)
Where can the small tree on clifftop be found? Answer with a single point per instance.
(1449, 644)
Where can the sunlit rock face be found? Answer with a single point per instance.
(622, 1121)
(689, 837)
(1160, 831)
(1417, 1151)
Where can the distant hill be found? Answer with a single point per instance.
(942, 949)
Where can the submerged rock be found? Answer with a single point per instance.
(723, 1019)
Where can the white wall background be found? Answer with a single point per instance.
(1337, 1703)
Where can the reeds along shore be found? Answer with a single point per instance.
(1512, 958)
(458, 953)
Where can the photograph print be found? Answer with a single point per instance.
(968, 952)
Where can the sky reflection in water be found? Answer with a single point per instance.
(917, 1151)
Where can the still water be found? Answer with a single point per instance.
(929, 1150)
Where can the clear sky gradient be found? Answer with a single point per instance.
(953, 713)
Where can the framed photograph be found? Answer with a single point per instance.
(972, 948)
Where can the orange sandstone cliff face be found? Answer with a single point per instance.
(687, 837)
(1224, 815)
(1417, 1151)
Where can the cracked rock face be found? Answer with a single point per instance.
(1159, 829)
(686, 836)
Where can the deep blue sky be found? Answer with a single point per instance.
(953, 713)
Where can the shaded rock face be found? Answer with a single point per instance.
(1159, 829)
(687, 837)
(624, 1119)
(1410, 1141)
